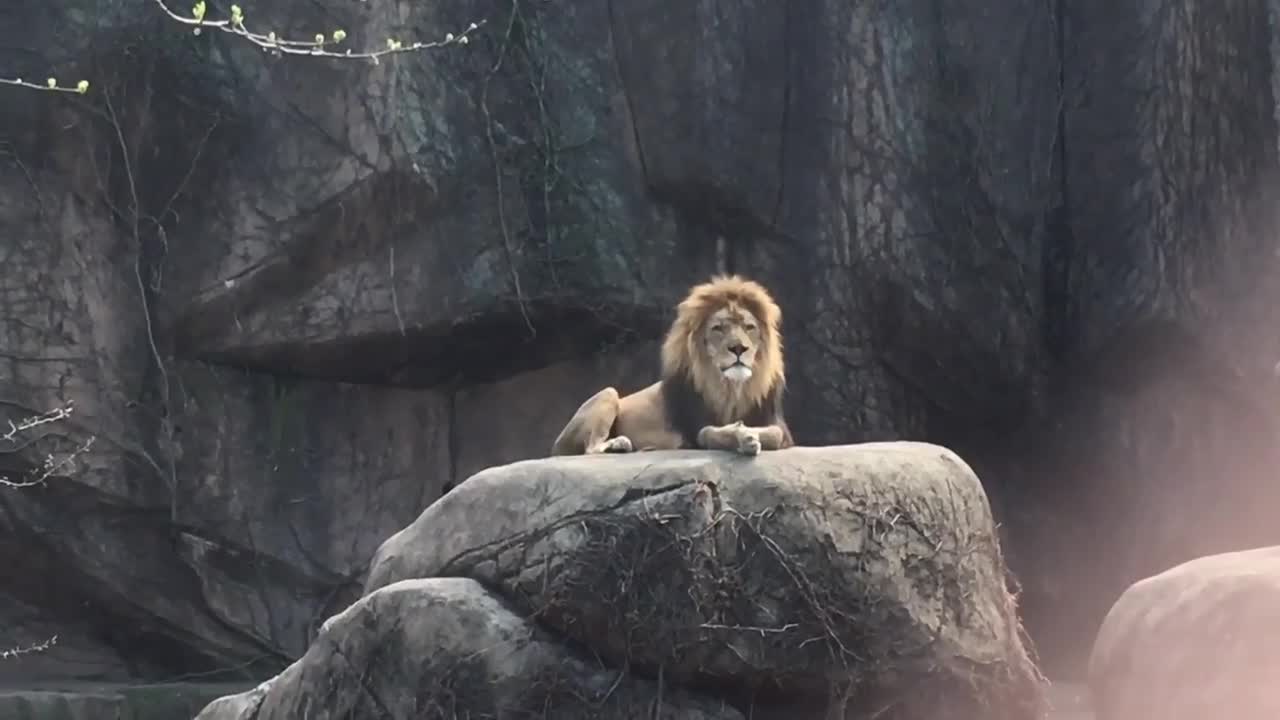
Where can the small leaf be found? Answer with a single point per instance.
(52, 82)
(197, 10)
(82, 87)
(319, 39)
(339, 35)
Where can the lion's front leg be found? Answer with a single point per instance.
(735, 437)
(771, 437)
(740, 438)
(617, 444)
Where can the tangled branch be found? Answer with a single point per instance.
(51, 465)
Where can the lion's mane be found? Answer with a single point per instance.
(683, 354)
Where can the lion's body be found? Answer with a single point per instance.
(722, 383)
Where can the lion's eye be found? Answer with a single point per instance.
(751, 328)
(717, 328)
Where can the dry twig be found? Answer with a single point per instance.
(51, 465)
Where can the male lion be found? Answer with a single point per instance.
(721, 387)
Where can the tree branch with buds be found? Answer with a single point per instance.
(316, 46)
(28, 649)
(321, 45)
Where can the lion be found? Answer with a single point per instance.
(721, 386)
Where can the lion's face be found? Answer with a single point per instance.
(731, 338)
(726, 341)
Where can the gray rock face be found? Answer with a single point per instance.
(1195, 642)
(360, 228)
(427, 231)
(799, 583)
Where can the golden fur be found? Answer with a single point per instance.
(684, 352)
(723, 377)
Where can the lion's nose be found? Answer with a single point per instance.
(737, 348)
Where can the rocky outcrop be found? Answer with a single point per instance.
(288, 294)
(1195, 642)
(796, 584)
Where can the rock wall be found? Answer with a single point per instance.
(295, 298)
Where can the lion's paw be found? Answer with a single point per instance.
(749, 444)
(619, 444)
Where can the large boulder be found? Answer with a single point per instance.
(805, 581)
(447, 648)
(1195, 642)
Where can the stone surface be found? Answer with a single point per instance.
(446, 648)
(519, 418)
(281, 511)
(71, 701)
(1195, 642)
(433, 227)
(839, 578)
(187, 700)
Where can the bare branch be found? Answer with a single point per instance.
(51, 465)
(28, 649)
(21, 426)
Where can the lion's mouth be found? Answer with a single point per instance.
(737, 371)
